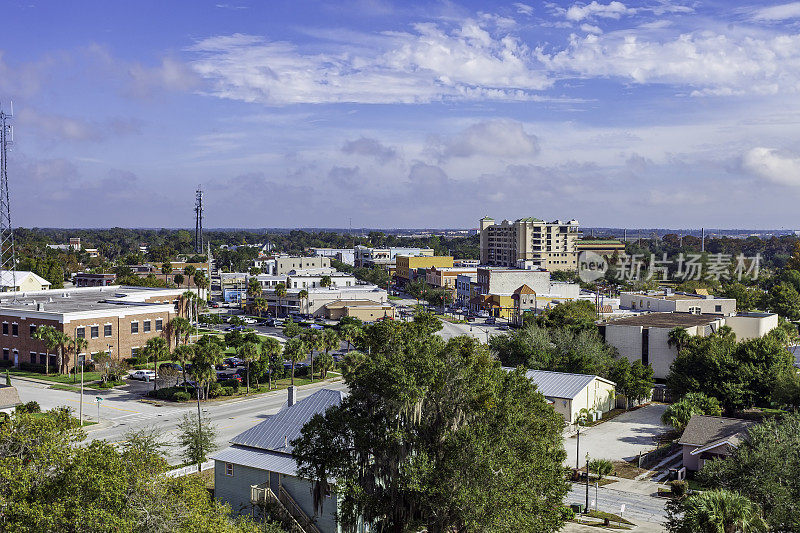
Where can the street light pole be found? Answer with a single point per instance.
(80, 411)
(587, 481)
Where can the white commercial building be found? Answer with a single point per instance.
(343, 255)
(667, 302)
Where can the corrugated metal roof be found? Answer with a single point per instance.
(560, 384)
(261, 459)
(278, 431)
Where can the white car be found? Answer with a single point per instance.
(144, 375)
(250, 320)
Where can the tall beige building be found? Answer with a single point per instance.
(530, 243)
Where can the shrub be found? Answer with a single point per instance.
(567, 514)
(181, 396)
(601, 467)
(227, 391)
(6, 364)
(31, 367)
(231, 384)
(30, 407)
(679, 488)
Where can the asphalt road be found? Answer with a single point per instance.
(638, 507)
(122, 411)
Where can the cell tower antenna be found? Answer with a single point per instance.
(198, 222)
(8, 259)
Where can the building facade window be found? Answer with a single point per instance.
(33, 357)
(15, 330)
(6, 353)
(32, 330)
(5, 328)
(718, 308)
(95, 331)
(146, 326)
(134, 327)
(42, 358)
(80, 332)
(107, 330)
(134, 351)
(159, 324)
(229, 469)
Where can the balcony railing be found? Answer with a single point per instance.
(291, 513)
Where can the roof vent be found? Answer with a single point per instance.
(40, 307)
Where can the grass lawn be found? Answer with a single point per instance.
(109, 385)
(42, 415)
(627, 470)
(602, 515)
(392, 297)
(56, 378)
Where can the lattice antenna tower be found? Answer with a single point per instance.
(8, 259)
(198, 223)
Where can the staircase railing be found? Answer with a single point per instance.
(262, 495)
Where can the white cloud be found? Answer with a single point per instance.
(778, 12)
(711, 63)
(171, 75)
(523, 9)
(494, 138)
(614, 10)
(59, 127)
(431, 63)
(589, 28)
(773, 165)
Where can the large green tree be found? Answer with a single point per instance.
(52, 482)
(715, 511)
(437, 436)
(766, 467)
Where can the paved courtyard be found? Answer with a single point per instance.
(621, 438)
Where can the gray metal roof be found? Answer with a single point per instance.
(261, 459)
(560, 384)
(703, 430)
(278, 431)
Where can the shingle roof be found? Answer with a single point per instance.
(560, 384)
(278, 431)
(703, 430)
(261, 459)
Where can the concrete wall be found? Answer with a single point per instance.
(751, 325)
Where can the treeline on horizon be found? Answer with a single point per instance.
(121, 245)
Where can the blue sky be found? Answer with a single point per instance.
(403, 114)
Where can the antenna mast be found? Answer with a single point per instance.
(198, 223)
(8, 260)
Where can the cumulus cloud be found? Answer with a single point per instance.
(494, 138)
(614, 10)
(371, 148)
(589, 28)
(523, 9)
(466, 61)
(708, 63)
(778, 12)
(170, 75)
(773, 165)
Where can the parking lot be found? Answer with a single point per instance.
(622, 438)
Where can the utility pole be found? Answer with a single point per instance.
(8, 259)
(702, 239)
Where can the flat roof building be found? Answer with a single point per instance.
(530, 243)
(118, 320)
(667, 301)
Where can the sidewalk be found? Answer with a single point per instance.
(641, 527)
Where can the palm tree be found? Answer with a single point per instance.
(350, 332)
(260, 305)
(46, 334)
(295, 351)
(679, 338)
(206, 356)
(78, 344)
(187, 299)
(248, 352)
(166, 269)
(330, 340)
(313, 341)
(303, 295)
(280, 293)
(200, 281)
(271, 348)
(179, 327)
(717, 511)
(155, 347)
(61, 341)
(325, 281)
(189, 271)
(184, 353)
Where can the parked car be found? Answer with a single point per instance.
(249, 320)
(232, 362)
(174, 366)
(503, 327)
(215, 305)
(221, 366)
(469, 318)
(490, 321)
(192, 384)
(143, 375)
(222, 376)
(315, 326)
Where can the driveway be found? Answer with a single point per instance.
(622, 438)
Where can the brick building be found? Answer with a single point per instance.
(118, 320)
